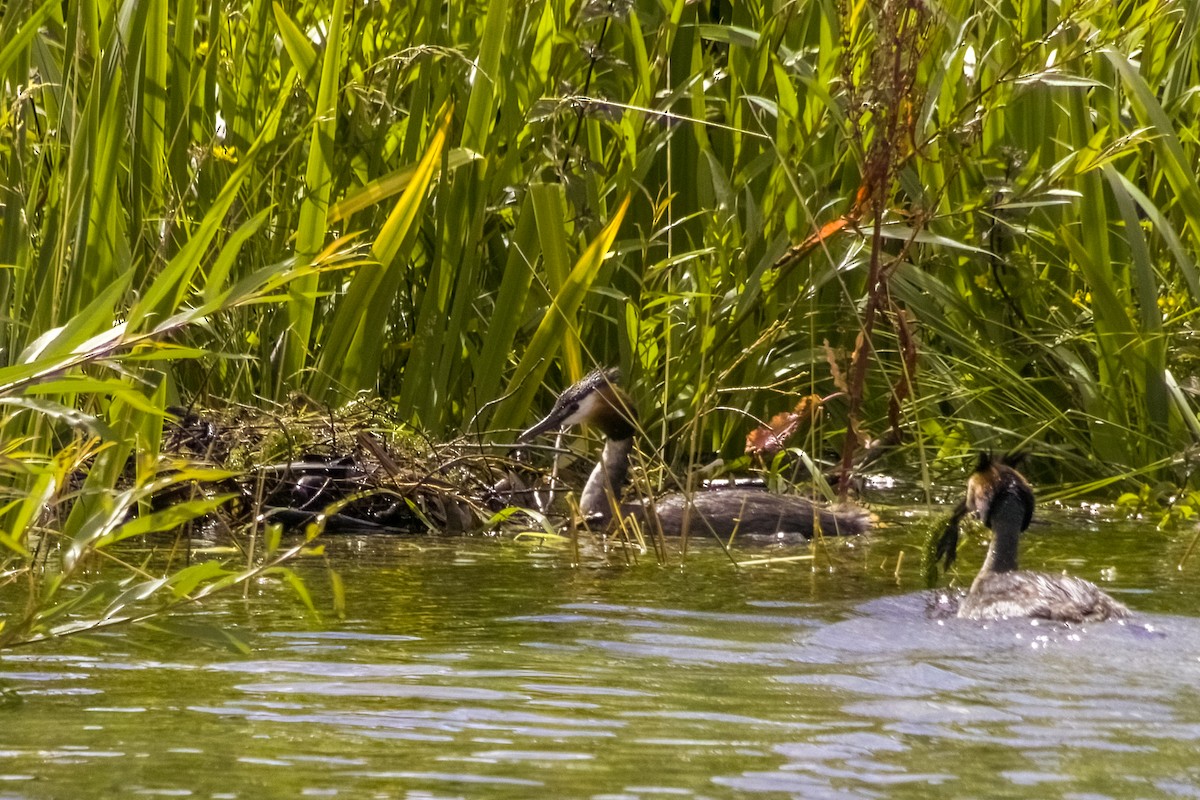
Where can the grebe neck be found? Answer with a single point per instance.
(1006, 515)
(607, 478)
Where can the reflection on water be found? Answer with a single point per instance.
(478, 668)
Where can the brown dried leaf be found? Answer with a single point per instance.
(767, 440)
(831, 358)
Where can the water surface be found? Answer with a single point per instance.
(480, 667)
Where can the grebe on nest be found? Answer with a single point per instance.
(599, 401)
(1002, 499)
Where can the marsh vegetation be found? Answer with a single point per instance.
(970, 226)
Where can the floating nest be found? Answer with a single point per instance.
(354, 469)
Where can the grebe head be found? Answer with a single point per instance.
(994, 485)
(1000, 498)
(597, 400)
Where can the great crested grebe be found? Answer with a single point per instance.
(1002, 499)
(599, 401)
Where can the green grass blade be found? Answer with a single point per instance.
(314, 206)
(351, 351)
(559, 318)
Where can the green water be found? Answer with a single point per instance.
(481, 667)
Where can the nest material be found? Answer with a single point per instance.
(353, 469)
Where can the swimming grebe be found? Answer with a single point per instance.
(1003, 500)
(600, 401)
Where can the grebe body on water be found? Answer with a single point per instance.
(1002, 499)
(598, 400)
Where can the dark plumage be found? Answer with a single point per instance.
(1003, 500)
(599, 401)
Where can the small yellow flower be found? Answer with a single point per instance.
(202, 49)
(223, 153)
(1168, 303)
